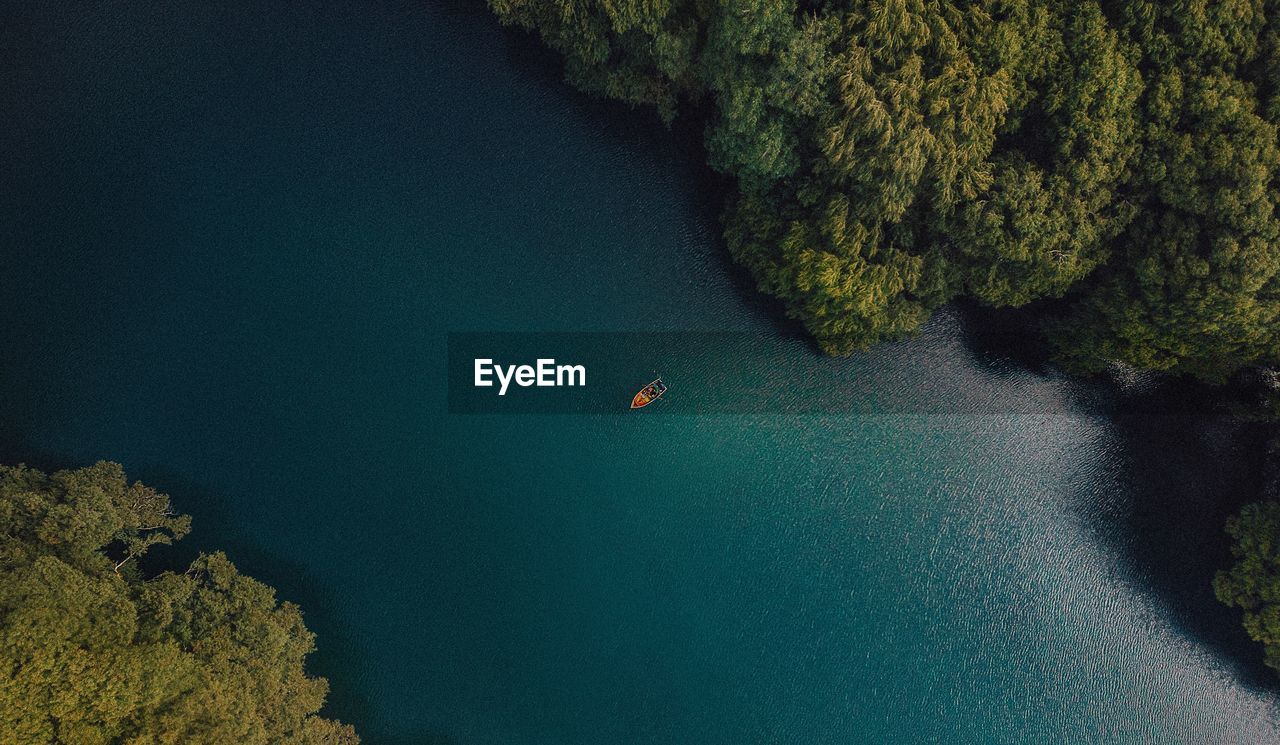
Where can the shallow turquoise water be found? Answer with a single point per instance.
(237, 242)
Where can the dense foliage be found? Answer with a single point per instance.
(1253, 582)
(93, 652)
(891, 155)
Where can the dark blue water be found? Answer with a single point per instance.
(235, 241)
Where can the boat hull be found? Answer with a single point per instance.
(648, 394)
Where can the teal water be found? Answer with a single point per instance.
(236, 241)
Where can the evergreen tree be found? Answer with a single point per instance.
(1195, 287)
(1049, 216)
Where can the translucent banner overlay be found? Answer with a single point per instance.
(744, 373)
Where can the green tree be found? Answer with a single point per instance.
(1253, 582)
(1048, 217)
(638, 51)
(1197, 285)
(898, 128)
(93, 652)
(848, 290)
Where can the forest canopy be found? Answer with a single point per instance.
(93, 651)
(1116, 158)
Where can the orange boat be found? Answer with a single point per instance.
(649, 394)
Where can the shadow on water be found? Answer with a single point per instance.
(1185, 466)
(1186, 476)
(1002, 336)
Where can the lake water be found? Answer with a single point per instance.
(236, 241)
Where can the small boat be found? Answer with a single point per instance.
(649, 394)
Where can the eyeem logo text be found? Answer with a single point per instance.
(545, 374)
